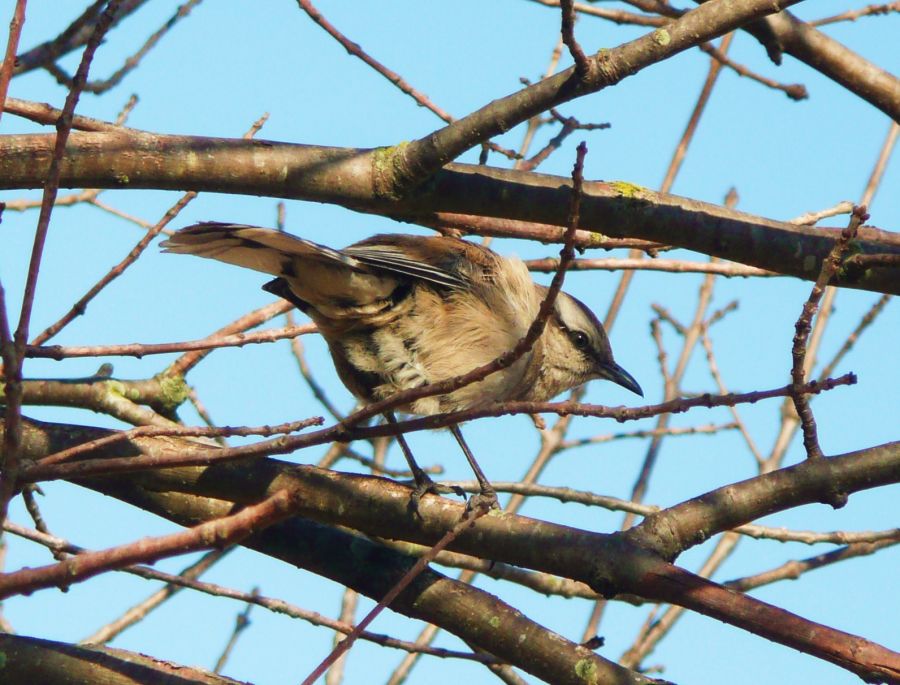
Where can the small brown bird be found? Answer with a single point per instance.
(403, 311)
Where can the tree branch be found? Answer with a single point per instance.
(610, 564)
(348, 177)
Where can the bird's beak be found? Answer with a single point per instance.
(615, 373)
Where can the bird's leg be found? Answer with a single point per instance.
(423, 481)
(487, 498)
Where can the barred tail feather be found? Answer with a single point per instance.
(261, 249)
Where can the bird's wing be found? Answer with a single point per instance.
(442, 261)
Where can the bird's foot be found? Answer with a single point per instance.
(483, 501)
(425, 486)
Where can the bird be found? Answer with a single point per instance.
(404, 311)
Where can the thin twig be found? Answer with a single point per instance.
(81, 305)
(582, 63)
(34, 511)
(812, 218)
(241, 623)
(466, 522)
(792, 570)
(182, 432)
(727, 269)
(270, 603)
(132, 62)
(140, 611)
(853, 15)
(720, 384)
(219, 532)
(864, 323)
(190, 359)
(140, 350)
(884, 154)
(314, 386)
(203, 456)
(349, 602)
(795, 91)
(617, 16)
(356, 50)
(12, 46)
(802, 329)
(14, 354)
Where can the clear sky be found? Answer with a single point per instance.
(219, 70)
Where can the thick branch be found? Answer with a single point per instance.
(417, 161)
(610, 564)
(348, 177)
(28, 660)
(806, 43)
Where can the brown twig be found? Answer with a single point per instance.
(12, 45)
(466, 522)
(131, 62)
(812, 218)
(853, 15)
(729, 270)
(140, 350)
(13, 354)
(708, 429)
(34, 511)
(203, 456)
(868, 261)
(356, 50)
(690, 336)
(81, 305)
(712, 75)
(884, 154)
(802, 329)
(63, 201)
(864, 323)
(795, 568)
(43, 113)
(582, 64)
(661, 355)
(314, 386)
(72, 37)
(270, 603)
(720, 384)
(655, 629)
(349, 603)
(183, 432)
(471, 224)
(617, 16)
(217, 533)
(552, 146)
(534, 123)
(241, 623)
(795, 91)
(140, 611)
(190, 359)
(665, 315)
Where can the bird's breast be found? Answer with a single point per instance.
(433, 339)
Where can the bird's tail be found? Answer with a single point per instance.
(261, 249)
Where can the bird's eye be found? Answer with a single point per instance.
(580, 340)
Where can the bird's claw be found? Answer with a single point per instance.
(425, 486)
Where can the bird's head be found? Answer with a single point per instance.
(582, 340)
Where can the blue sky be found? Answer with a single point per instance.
(218, 71)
